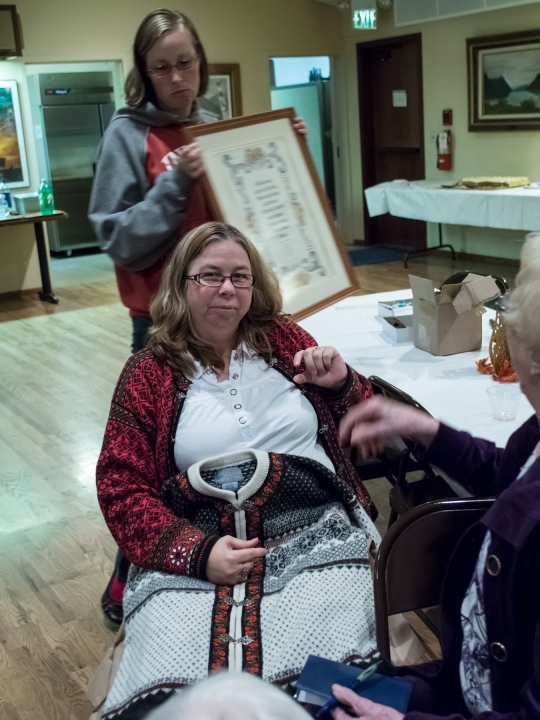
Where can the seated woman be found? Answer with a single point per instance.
(222, 480)
(490, 607)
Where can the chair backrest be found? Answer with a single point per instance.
(458, 277)
(413, 557)
(381, 387)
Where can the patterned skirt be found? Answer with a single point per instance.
(311, 594)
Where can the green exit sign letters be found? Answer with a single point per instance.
(365, 19)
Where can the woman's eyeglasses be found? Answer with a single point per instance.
(181, 66)
(211, 279)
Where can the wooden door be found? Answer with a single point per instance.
(392, 129)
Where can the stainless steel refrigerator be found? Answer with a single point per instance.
(76, 109)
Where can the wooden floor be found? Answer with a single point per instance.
(58, 367)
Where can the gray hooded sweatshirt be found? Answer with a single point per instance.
(134, 223)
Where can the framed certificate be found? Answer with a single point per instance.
(261, 179)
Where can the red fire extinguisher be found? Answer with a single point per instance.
(444, 150)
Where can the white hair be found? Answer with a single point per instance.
(230, 696)
(522, 313)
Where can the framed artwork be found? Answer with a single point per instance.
(504, 82)
(260, 178)
(13, 163)
(224, 96)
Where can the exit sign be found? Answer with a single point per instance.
(365, 19)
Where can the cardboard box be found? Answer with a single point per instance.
(449, 320)
(399, 329)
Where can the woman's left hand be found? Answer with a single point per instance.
(361, 707)
(324, 366)
(300, 126)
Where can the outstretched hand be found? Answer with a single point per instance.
(360, 707)
(324, 367)
(367, 425)
(231, 560)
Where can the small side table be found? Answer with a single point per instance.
(37, 220)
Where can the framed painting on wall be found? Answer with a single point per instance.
(223, 98)
(260, 178)
(504, 82)
(13, 162)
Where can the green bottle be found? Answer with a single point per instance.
(46, 200)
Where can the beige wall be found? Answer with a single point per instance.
(445, 86)
(245, 31)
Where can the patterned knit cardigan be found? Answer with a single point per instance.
(137, 456)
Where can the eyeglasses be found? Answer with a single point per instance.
(211, 279)
(181, 66)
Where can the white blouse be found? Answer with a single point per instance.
(256, 408)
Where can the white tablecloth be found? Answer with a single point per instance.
(450, 388)
(515, 209)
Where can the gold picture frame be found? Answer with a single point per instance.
(261, 178)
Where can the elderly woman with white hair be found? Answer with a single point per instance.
(490, 668)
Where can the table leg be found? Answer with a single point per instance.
(413, 253)
(47, 292)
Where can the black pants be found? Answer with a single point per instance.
(141, 325)
(139, 340)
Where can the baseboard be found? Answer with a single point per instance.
(446, 253)
(488, 258)
(20, 294)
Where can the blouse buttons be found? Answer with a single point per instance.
(233, 392)
(235, 376)
(242, 420)
(237, 406)
(493, 565)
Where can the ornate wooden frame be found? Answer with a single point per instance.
(475, 46)
(311, 193)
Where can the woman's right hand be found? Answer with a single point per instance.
(230, 559)
(367, 425)
(190, 160)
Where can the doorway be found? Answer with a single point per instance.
(304, 83)
(392, 130)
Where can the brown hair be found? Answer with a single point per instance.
(172, 336)
(139, 88)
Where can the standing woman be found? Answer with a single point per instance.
(145, 195)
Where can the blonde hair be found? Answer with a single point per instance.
(522, 306)
(230, 696)
(138, 87)
(172, 336)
